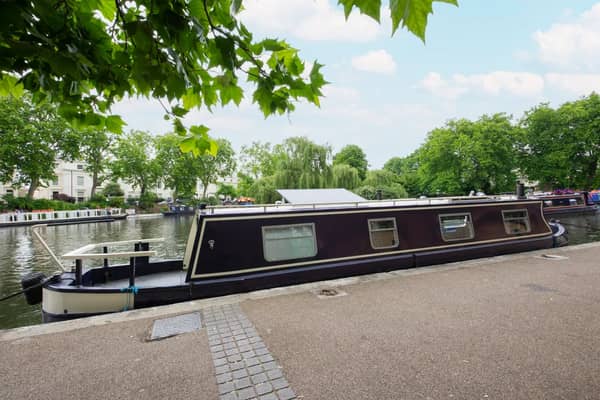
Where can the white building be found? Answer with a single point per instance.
(73, 180)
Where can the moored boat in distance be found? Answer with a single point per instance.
(240, 249)
(567, 203)
(178, 210)
(66, 216)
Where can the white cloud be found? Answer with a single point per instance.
(579, 84)
(493, 83)
(378, 61)
(309, 20)
(496, 82)
(575, 45)
(434, 83)
(340, 94)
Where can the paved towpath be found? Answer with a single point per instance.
(514, 327)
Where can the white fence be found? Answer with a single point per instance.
(47, 216)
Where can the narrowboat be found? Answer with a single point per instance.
(83, 216)
(241, 249)
(567, 203)
(176, 210)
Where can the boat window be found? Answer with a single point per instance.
(456, 227)
(516, 221)
(287, 242)
(383, 233)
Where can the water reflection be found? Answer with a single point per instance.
(20, 253)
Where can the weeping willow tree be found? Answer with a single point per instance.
(303, 165)
(345, 176)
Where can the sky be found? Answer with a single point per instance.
(387, 92)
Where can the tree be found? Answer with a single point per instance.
(264, 191)
(86, 54)
(213, 167)
(470, 155)
(226, 191)
(134, 161)
(406, 168)
(32, 138)
(113, 189)
(345, 176)
(180, 171)
(560, 148)
(355, 157)
(302, 164)
(94, 150)
(257, 160)
(384, 181)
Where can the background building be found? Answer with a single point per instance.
(73, 181)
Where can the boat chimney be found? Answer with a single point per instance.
(520, 190)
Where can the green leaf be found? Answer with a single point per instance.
(199, 130)
(93, 119)
(226, 47)
(114, 123)
(187, 144)
(179, 111)
(413, 14)
(214, 147)
(108, 8)
(178, 127)
(197, 8)
(10, 86)
(191, 99)
(198, 143)
(368, 7)
(273, 45)
(236, 6)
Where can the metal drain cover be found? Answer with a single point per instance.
(167, 327)
(328, 293)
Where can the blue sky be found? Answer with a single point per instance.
(387, 92)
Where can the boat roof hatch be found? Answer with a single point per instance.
(316, 196)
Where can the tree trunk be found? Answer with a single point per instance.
(94, 184)
(35, 182)
(204, 189)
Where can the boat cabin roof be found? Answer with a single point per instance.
(420, 202)
(318, 196)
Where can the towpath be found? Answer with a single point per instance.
(524, 326)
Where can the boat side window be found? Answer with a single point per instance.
(383, 233)
(516, 221)
(288, 242)
(456, 227)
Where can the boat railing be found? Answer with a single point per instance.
(49, 215)
(140, 253)
(141, 250)
(265, 208)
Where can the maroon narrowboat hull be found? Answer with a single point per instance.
(229, 252)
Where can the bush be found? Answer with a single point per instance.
(64, 197)
(118, 202)
(226, 190)
(210, 200)
(148, 200)
(112, 189)
(25, 204)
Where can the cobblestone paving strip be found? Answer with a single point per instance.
(244, 367)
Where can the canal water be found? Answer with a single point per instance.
(21, 254)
